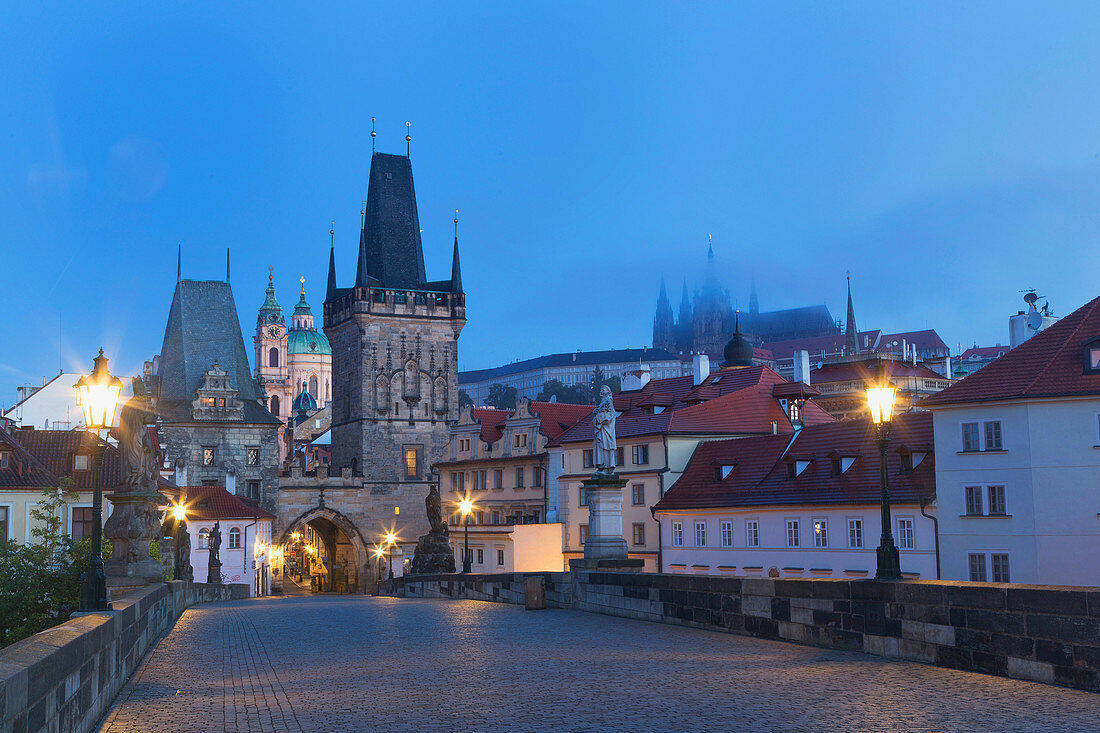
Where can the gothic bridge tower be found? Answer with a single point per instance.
(394, 337)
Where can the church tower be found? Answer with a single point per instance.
(270, 344)
(394, 337)
(664, 329)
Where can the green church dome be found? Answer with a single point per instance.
(307, 342)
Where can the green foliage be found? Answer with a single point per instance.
(464, 399)
(501, 397)
(578, 394)
(154, 549)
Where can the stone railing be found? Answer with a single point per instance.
(1041, 633)
(65, 678)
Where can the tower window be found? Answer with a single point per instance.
(273, 357)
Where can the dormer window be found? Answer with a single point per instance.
(5, 459)
(722, 470)
(80, 463)
(1092, 356)
(796, 467)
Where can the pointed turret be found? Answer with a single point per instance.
(331, 293)
(456, 271)
(179, 262)
(227, 264)
(851, 334)
(664, 329)
(754, 302)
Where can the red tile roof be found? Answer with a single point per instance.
(734, 401)
(1049, 364)
(55, 449)
(492, 422)
(759, 476)
(23, 471)
(209, 503)
(983, 352)
(557, 417)
(926, 339)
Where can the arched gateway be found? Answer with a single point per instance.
(343, 551)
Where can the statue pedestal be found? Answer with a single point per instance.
(132, 524)
(214, 573)
(605, 522)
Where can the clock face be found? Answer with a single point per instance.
(274, 332)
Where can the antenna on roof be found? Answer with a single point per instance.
(408, 139)
(373, 135)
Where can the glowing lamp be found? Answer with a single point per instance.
(179, 512)
(99, 395)
(391, 538)
(880, 400)
(466, 507)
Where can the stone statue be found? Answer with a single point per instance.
(136, 499)
(184, 570)
(433, 550)
(214, 563)
(603, 433)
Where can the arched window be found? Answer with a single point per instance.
(204, 535)
(273, 357)
(275, 405)
(235, 538)
(328, 391)
(313, 387)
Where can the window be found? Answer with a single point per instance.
(4, 522)
(208, 456)
(234, 539)
(3, 459)
(619, 457)
(791, 472)
(253, 489)
(584, 496)
(482, 479)
(752, 533)
(725, 529)
(204, 535)
(221, 402)
(495, 516)
(275, 405)
(836, 467)
(821, 533)
(587, 459)
(639, 534)
(253, 456)
(637, 492)
(974, 500)
(479, 517)
(500, 558)
(458, 482)
(905, 533)
(540, 478)
(977, 567)
(584, 534)
(519, 477)
(906, 462)
(412, 461)
(792, 533)
(81, 520)
(519, 440)
(796, 411)
(498, 478)
(678, 534)
(997, 501)
(464, 444)
(855, 533)
(700, 534)
(273, 357)
(999, 561)
(970, 437)
(396, 408)
(1092, 356)
(80, 463)
(993, 435)
(481, 556)
(639, 454)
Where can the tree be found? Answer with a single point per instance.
(464, 399)
(501, 397)
(578, 394)
(599, 379)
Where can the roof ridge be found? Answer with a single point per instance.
(1076, 327)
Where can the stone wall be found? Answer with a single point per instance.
(65, 678)
(1041, 633)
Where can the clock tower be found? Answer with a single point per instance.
(270, 341)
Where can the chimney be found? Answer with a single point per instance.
(802, 366)
(700, 368)
(775, 428)
(231, 481)
(636, 378)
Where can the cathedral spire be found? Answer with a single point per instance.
(851, 333)
(179, 261)
(456, 271)
(331, 293)
(227, 264)
(754, 302)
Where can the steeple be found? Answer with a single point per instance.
(227, 264)
(738, 351)
(754, 303)
(851, 333)
(664, 330)
(179, 262)
(685, 307)
(456, 271)
(331, 293)
(390, 251)
(271, 312)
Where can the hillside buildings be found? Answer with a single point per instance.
(802, 505)
(1018, 460)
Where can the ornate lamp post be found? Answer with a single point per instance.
(98, 397)
(391, 540)
(466, 507)
(880, 400)
(378, 553)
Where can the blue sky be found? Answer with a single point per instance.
(948, 156)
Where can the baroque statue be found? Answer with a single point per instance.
(214, 563)
(603, 433)
(433, 550)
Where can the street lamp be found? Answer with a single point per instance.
(391, 540)
(466, 507)
(378, 553)
(880, 400)
(98, 394)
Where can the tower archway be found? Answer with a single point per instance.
(340, 560)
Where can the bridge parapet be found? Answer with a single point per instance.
(66, 677)
(1041, 633)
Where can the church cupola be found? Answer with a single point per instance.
(303, 314)
(271, 313)
(738, 351)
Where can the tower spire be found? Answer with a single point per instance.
(331, 293)
(456, 271)
(373, 135)
(227, 264)
(408, 139)
(179, 261)
(851, 333)
(754, 302)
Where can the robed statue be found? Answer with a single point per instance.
(214, 541)
(434, 507)
(603, 433)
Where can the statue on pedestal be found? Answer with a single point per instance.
(603, 433)
(214, 564)
(136, 515)
(433, 550)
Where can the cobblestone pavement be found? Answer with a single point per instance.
(354, 663)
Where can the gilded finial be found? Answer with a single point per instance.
(302, 280)
(270, 273)
(373, 135)
(456, 223)
(408, 138)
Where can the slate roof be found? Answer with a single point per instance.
(210, 503)
(759, 476)
(390, 251)
(203, 328)
(735, 400)
(23, 471)
(1049, 364)
(569, 359)
(846, 371)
